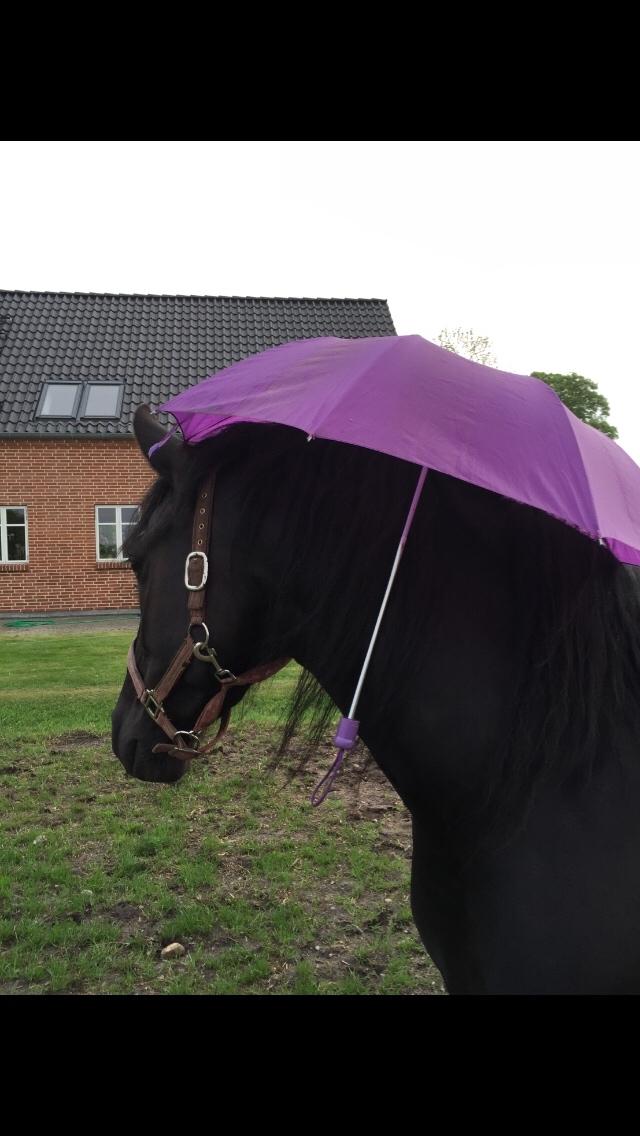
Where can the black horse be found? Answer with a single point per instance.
(502, 702)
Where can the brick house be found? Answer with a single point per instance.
(73, 369)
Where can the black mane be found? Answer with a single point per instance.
(575, 609)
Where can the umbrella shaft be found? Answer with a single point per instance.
(398, 557)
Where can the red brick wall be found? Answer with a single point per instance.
(61, 481)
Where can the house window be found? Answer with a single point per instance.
(102, 400)
(13, 534)
(80, 400)
(59, 400)
(113, 524)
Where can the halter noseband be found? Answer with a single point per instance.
(185, 744)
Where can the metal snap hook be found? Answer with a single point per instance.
(200, 644)
(207, 654)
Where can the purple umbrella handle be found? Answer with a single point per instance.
(346, 737)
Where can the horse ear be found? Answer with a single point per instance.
(149, 432)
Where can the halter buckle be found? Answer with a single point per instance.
(151, 704)
(205, 572)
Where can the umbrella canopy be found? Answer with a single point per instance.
(408, 398)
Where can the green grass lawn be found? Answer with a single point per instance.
(98, 872)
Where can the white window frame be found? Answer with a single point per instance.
(118, 523)
(4, 540)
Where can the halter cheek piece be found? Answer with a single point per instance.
(185, 744)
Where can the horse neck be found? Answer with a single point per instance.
(441, 665)
(343, 521)
(501, 622)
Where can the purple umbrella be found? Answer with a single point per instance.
(406, 397)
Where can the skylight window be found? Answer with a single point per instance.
(80, 400)
(59, 400)
(102, 400)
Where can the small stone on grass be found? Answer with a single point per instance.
(174, 950)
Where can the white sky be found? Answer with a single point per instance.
(533, 244)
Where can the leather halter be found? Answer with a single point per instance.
(185, 744)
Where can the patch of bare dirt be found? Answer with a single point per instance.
(74, 739)
(361, 785)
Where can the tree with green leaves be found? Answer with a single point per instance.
(464, 341)
(583, 398)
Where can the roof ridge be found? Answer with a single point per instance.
(196, 296)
